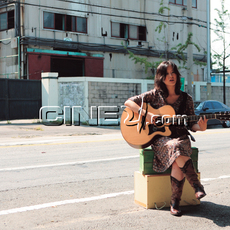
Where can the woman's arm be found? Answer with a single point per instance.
(132, 105)
(135, 108)
(194, 126)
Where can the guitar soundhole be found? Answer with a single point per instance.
(154, 128)
(159, 122)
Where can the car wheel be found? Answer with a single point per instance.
(226, 124)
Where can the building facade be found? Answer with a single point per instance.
(87, 37)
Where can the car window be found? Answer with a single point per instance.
(208, 105)
(198, 105)
(217, 105)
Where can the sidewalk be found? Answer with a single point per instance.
(32, 128)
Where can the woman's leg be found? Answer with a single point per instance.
(177, 183)
(186, 166)
(181, 160)
(176, 172)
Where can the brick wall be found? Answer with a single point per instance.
(88, 92)
(111, 94)
(216, 94)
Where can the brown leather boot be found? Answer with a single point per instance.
(191, 176)
(177, 187)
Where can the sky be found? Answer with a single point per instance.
(217, 46)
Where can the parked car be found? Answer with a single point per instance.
(211, 107)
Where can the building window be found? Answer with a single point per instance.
(48, 20)
(183, 2)
(81, 25)
(7, 20)
(59, 20)
(121, 30)
(65, 22)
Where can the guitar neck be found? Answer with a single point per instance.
(190, 118)
(197, 117)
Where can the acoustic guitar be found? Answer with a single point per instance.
(138, 133)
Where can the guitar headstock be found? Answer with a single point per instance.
(223, 116)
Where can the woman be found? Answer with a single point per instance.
(173, 151)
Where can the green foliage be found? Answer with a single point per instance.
(161, 11)
(143, 61)
(163, 8)
(160, 27)
(140, 61)
(179, 53)
(181, 48)
(220, 56)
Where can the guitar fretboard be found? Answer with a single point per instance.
(177, 119)
(197, 117)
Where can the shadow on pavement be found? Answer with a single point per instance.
(219, 214)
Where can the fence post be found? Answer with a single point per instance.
(7, 99)
(197, 90)
(49, 89)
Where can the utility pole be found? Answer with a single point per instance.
(17, 19)
(209, 88)
(18, 33)
(189, 51)
(224, 94)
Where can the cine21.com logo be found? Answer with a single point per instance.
(99, 115)
(54, 116)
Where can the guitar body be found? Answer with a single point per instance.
(139, 133)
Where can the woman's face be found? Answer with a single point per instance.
(171, 77)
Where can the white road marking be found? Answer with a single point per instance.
(80, 200)
(52, 142)
(68, 163)
(32, 142)
(58, 203)
(220, 177)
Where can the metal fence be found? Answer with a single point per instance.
(19, 99)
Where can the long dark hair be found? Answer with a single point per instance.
(161, 75)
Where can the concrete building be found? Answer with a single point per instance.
(85, 37)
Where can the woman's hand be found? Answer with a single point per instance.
(151, 118)
(201, 124)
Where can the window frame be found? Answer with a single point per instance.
(76, 25)
(217, 103)
(174, 3)
(208, 103)
(44, 20)
(64, 23)
(129, 37)
(112, 30)
(8, 20)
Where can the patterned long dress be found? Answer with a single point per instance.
(167, 149)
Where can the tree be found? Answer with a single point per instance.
(220, 31)
(144, 61)
(177, 52)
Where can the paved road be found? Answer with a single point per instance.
(82, 178)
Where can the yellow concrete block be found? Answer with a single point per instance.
(154, 191)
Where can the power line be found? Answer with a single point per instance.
(130, 17)
(132, 11)
(111, 15)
